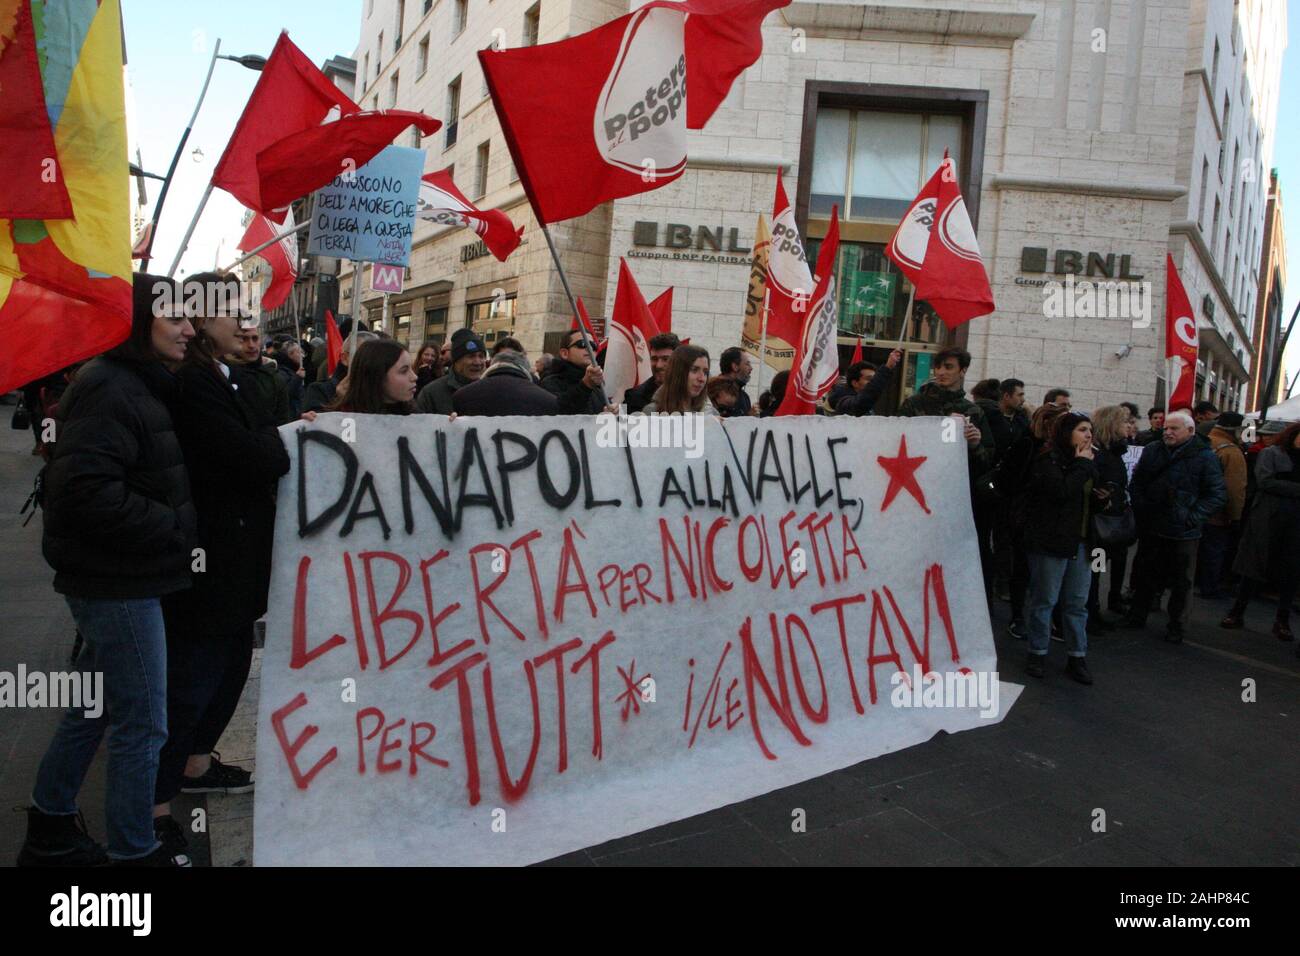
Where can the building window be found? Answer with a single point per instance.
(453, 111)
(532, 24)
(1200, 207)
(459, 16)
(403, 331)
(1236, 177)
(1214, 230)
(392, 91)
(365, 72)
(428, 5)
(1214, 69)
(481, 171)
(872, 163)
(491, 318)
(514, 172)
(1227, 253)
(379, 56)
(422, 57)
(435, 325)
(401, 15)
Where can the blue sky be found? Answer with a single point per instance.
(169, 45)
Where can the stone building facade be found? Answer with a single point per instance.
(1084, 133)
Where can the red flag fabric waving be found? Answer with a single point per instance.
(604, 114)
(442, 202)
(936, 248)
(631, 327)
(816, 360)
(33, 185)
(662, 310)
(1181, 340)
(788, 279)
(857, 352)
(298, 132)
(586, 324)
(333, 343)
(281, 257)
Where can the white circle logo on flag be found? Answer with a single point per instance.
(956, 232)
(787, 264)
(819, 364)
(640, 121)
(1185, 329)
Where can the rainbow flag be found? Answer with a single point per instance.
(65, 284)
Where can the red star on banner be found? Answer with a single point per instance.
(902, 476)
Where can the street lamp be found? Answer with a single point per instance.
(249, 61)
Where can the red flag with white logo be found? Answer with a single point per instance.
(1181, 340)
(281, 257)
(631, 327)
(586, 324)
(935, 247)
(298, 132)
(604, 114)
(441, 202)
(817, 358)
(789, 282)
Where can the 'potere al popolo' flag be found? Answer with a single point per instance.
(817, 355)
(604, 114)
(441, 202)
(631, 327)
(298, 132)
(789, 283)
(32, 186)
(935, 247)
(1181, 340)
(281, 257)
(65, 284)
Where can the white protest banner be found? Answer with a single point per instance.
(498, 640)
(368, 214)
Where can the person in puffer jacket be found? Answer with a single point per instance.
(120, 526)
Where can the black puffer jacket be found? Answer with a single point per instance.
(564, 380)
(1175, 490)
(1056, 504)
(504, 390)
(119, 519)
(235, 459)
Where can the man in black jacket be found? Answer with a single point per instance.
(506, 388)
(468, 360)
(735, 365)
(575, 380)
(868, 384)
(268, 388)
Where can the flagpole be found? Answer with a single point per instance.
(293, 300)
(356, 310)
(384, 319)
(907, 317)
(189, 232)
(270, 242)
(762, 338)
(573, 304)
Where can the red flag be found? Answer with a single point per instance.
(281, 257)
(442, 202)
(944, 263)
(1181, 340)
(788, 279)
(857, 352)
(298, 132)
(631, 327)
(33, 185)
(816, 360)
(662, 310)
(604, 114)
(333, 343)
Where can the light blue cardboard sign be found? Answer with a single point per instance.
(369, 215)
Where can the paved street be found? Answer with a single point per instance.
(1183, 770)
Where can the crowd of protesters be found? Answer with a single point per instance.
(159, 507)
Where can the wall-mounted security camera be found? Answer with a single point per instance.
(1124, 351)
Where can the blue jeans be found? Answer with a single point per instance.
(124, 640)
(1058, 579)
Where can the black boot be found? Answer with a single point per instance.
(1034, 665)
(59, 840)
(1077, 668)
